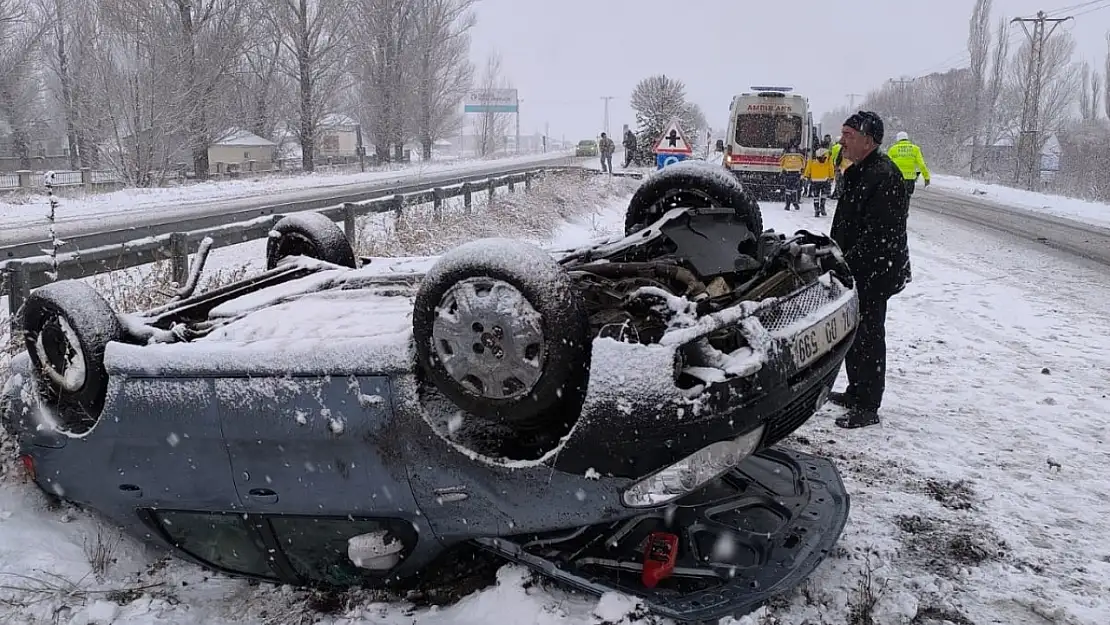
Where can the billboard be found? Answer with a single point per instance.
(491, 101)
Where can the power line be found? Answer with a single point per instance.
(964, 56)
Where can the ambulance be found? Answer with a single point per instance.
(762, 124)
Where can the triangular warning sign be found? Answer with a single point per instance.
(673, 141)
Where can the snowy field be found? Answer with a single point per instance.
(981, 499)
(29, 209)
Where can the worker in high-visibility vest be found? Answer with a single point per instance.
(820, 173)
(907, 156)
(792, 163)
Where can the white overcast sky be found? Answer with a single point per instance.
(563, 55)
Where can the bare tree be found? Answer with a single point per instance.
(1106, 76)
(441, 69)
(210, 37)
(316, 36)
(259, 93)
(1090, 93)
(58, 58)
(144, 128)
(492, 125)
(384, 27)
(1058, 79)
(20, 33)
(995, 83)
(978, 46)
(163, 66)
(693, 119)
(832, 120)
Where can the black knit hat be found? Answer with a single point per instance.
(867, 122)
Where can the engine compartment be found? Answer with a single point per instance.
(691, 264)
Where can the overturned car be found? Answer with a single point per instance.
(606, 415)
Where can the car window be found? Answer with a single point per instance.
(317, 548)
(223, 541)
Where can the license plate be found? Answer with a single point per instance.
(820, 338)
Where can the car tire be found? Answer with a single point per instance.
(309, 234)
(470, 300)
(66, 327)
(699, 184)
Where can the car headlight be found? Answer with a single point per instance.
(692, 472)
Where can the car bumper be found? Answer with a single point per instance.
(757, 532)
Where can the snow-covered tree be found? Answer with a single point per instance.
(20, 82)
(316, 38)
(978, 47)
(1090, 95)
(260, 95)
(440, 68)
(383, 31)
(493, 127)
(657, 100)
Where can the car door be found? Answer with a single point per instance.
(313, 445)
(166, 448)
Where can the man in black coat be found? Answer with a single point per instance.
(870, 227)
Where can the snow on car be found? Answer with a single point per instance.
(606, 415)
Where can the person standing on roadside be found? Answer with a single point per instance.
(869, 225)
(819, 175)
(907, 156)
(606, 147)
(792, 163)
(629, 147)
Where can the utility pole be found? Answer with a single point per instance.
(852, 99)
(518, 125)
(605, 124)
(903, 102)
(1028, 161)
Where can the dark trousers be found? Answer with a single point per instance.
(866, 359)
(820, 190)
(911, 184)
(792, 188)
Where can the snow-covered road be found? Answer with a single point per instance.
(981, 499)
(983, 493)
(24, 221)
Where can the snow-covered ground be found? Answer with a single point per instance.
(1084, 211)
(981, 499)
(24, 210)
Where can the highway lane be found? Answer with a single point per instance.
(1066, 237)
(20, 241)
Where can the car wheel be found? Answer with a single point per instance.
(309, 234)
(696, 184)
(66, 327)
(501, 332)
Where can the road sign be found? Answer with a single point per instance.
(662, 160)
(673, 141)
(491, 101)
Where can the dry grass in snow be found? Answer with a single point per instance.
(533, 216)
